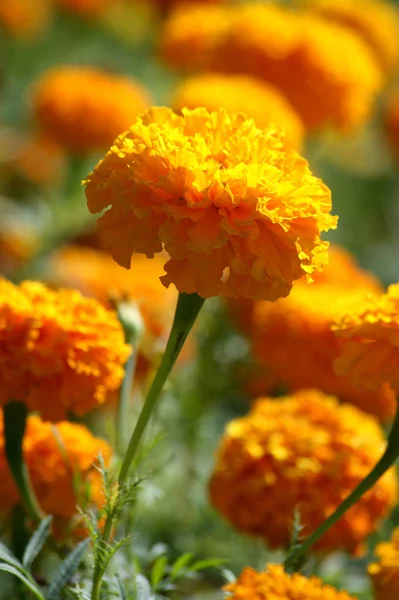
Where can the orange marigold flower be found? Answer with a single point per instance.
(385, 573)
(275, 584)
(60, 459)
(304, 452)
(392, 121)
(84, 109)
(85, 8)
(24, 18)
(376, 21)
(292, 342)
(240, 93)
(60, 351)
(369, 341)
(216, 193)
(326, 71)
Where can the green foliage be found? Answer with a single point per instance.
(36, 542)
(66, 570)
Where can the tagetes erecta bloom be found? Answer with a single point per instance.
(62, 461)
(274, 583)
(24, 18)
(391, 119)
(303, 452)
(292, 342)
(369, 342)
(376, 21)
(327, 72)
(240, 93)
(85, 8)
(384, 572)
(84, 109)
(59, 352)
(216, 193)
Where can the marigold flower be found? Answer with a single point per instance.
(369, 341)
(25, 18)
(275, 584)
(60, 459)
(240, 93)
(376, 21)
(84, 109)
(327, 72)
(392, 120)
(60, 351)
(292, 342)
(385, 573)
(217, 193)
(85, 8)
(304, 452)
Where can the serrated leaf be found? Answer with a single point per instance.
(158, 571)
(9, 558)
(180, 563)
(143, 588)
(31, 585)
(207, 563)
(36, 542)
(120, 588)
(66, 570)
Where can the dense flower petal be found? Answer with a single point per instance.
(385, 572)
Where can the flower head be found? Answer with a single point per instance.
(61, 460)
(240, 93)
(376, 21)
(302, 452)
(385, 572)
(274, 583)
(60, 351)
(25, 18)
(84, 109)
(292, 341)
(369, 341)
(327, 72)
(216, 193)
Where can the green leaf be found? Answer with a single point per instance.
(36, 542)
(28, 583)
(9, 558)
(179, 564)
(67, 568)
(158, 571)
(207, 563)
(120, 589)
(143, 588)
(228, 575)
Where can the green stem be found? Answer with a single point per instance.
(15, 415)
(386, 461)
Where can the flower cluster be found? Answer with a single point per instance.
(60, 351)
(240, 93)
(216, 193)
(326, 71)
(385, 573)
(303, 452)
(25, 18)
(84, 109)
(369, 341)
(61, 461)
(274, 583)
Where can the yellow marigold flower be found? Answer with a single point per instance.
(275, 584)
(60, 459)
(292, 342)
(392, 121)
(84, 109)
(240, 93)
(85, 8)
(60, 351)
(217, 193)
(24, 18)
(385, 573)
(376, 21)
(369, 341)
(304, 452)
(326, 71)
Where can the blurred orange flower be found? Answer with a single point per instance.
(240, 93)
(84, 109)
(385, 572)
(59, 352)
(60, 459)
(303, 452)
(326, 71)
(25, 18)
(392, 120)
(217, 193)
(275, 584)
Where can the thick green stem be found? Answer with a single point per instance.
(15, 415)
(386, 461)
